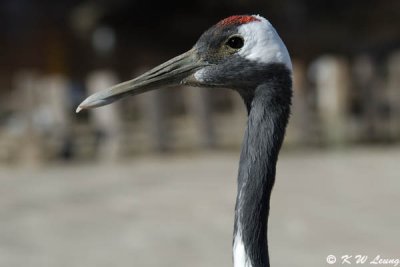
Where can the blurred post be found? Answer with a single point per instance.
(106, 120)
(366, 82)
(331, 77)
(52, 117)
(44, 103)
(394, 95)
(300, 126)
(239, 113)
(25, 83)
(154, 111)
(199, 105)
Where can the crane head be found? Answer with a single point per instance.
(233, 53)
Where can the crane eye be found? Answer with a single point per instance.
(235, 42)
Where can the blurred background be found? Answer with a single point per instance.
(150, 180)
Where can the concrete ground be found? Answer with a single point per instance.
(177, 210)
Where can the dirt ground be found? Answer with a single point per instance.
(177, 210)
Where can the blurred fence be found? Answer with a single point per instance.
(336, 101)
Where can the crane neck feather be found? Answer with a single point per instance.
(269, 109)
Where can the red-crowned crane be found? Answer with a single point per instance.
(246, 54)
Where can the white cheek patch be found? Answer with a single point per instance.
(262, 43)
(198, 75)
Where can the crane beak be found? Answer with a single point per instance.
(173, 72)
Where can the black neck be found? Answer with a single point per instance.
(268, 108)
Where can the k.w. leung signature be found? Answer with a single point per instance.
(364, 259)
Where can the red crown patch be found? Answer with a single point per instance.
(237, 20)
